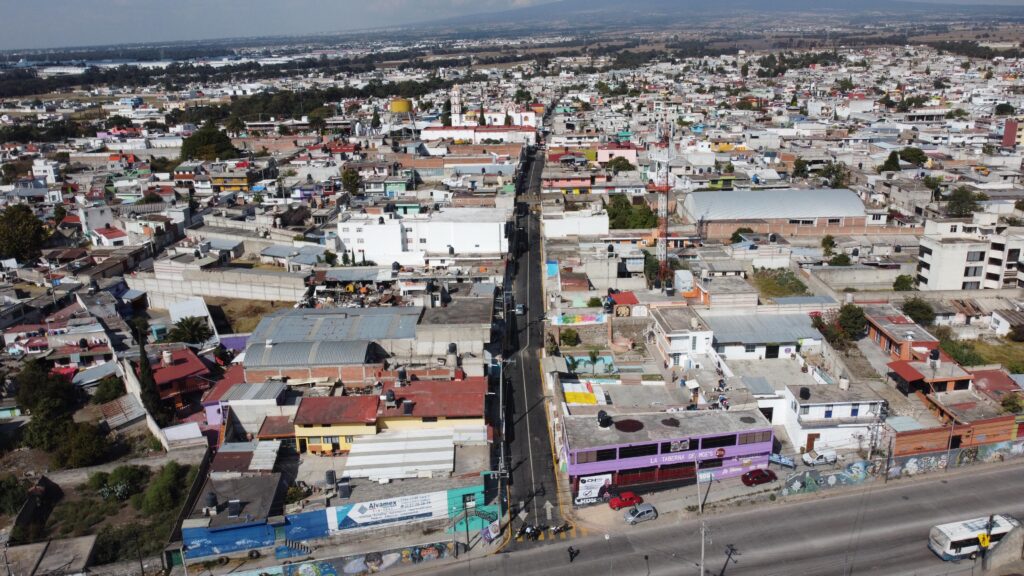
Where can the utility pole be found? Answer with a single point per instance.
(700, 510)
(888, 458)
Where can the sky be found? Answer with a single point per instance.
(55, 23)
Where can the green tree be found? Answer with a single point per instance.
(620, 164)
(594, 302)
(352, 182)
(593, 356)
(13, 493)
(745, 70)
(852, 320)
(522, 96)
(117, 121)
(915, 156)
(481, 117)
(36, 384)
(208, 143)
(110, 388)
(736, 235)
(150, 396)
(234, 125)
(375, 120)
(828, 245)
(190, 330)
(151, 198)
(800, 168)
(836, 174)
(1004, 109)
(330, 258)
(903, 283)
(919, 310)
(317, 124)
(45, 431)
(891, 164)
(570, 337)
(164, 490)
(840, 259)
(962, 202)
(1013, 403)
(446, 113)
(508, 119)
(21, 234)
(83, 444)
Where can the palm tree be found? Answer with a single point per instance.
(572, 363)
(190, 330)
(594, 357)
(234, 125)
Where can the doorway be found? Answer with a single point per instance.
(771, 351)
(811, 439)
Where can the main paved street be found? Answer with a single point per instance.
(880, 529)
(532, 473)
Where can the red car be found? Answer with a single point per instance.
(758, 477)
(625, 500)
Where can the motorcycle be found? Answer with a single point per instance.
(524, 530)
(535, 534)
(565, 527)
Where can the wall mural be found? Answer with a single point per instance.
(814, 479)
(372, 562)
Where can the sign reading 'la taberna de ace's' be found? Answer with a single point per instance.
(388, 511)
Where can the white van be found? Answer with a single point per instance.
(819, 457)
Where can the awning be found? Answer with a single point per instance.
(904, 370)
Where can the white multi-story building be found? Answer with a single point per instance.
(969, 254)
(436, 238)
(48, 170)
(833, 416)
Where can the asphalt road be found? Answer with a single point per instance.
(881, 529)
(532, 480)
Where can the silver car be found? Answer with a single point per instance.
(640, 513)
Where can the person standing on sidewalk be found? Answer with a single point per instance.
(572, 554)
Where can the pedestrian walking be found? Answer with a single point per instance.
(572, 554)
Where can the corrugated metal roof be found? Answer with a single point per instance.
(772, 204)
(122, 411)
(305, 325)
(262, 391)
(317, 353)
(758, 385)
(762, 329)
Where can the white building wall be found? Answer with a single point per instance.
(573, 225)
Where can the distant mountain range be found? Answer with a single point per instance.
(666, 12)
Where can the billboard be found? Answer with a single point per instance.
(593, 488)
(414, 507)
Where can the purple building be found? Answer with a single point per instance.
(652, 450)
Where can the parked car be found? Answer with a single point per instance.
(640, 513)
(819, 457)
(758, 477)
(625, 500)
(520, 309)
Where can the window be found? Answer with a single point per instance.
(953, 228)
(792, 405)
(828, 410)
(970, 286)
(430, 418)
(675, 446)
(805, 410)
(713, 463)
(755, 437)
(876, 217)
(835, 221)
(423, 240)
(998, 247)
(921, 279)
(972, 271)
(961, 385)
(924, 265)
(330, 440)
(359, 229)
(922, 251)
(586, 457)
(750, 348)
(992, 276)
(606, 455)
(1013, 255)
(854, 410)
(976, 256)
(359, 240)
(718, 441)
(637, 451)
(995, 261)
(939, 386)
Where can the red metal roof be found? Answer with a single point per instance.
(995, 384)
(905, 370)
(337, 410)
(276, 427)
(448, 398)
(233, 375)
(110, 233)
(625, 298)
(184, 363)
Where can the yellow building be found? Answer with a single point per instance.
(328, 424)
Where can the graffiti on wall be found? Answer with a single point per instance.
(372, 562)
(934, 461)
(814, 480)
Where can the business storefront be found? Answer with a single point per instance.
(652, 451)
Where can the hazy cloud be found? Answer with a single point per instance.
(48, 23)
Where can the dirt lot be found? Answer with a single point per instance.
(240, 316)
